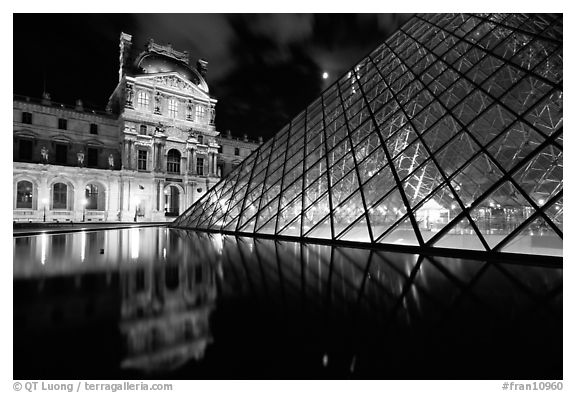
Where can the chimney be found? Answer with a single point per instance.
(79, 105)
(125, 46)
(245, 137)
(229, 134)
(260, 140)
(202, 67)
(46, 99)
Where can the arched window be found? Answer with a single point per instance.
(173, 161)
(24, 195)
(143, 99)
(92, 197)
(59, 196)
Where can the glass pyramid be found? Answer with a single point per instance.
(448, 135)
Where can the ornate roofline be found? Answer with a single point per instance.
(167, 50)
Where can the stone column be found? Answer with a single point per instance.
(183, 164)
(125, 156)
(161, 208)
(161, 167)
(209, 157)
(193, 163)
(154, 157)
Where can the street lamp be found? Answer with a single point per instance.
(136, 201)
(44, 202)
(84, 202)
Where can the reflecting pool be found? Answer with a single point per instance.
(168, 303)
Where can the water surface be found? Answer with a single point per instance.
(168, 303)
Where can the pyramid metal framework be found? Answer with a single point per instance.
(448, 135)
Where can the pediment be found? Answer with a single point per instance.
(173, 81)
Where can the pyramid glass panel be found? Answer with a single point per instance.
(448, 135)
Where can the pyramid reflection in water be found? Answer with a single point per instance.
(447, 135)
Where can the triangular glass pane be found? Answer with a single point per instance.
(421, 183)
(348, 212)
(542, 176)
(436, 212)
(342, 190)
(267, 212)
(231, 226)
(407, 161)
(386, 212)
(322, 230)
(500, 213)
(461, 236)
(358, 232)
(316, 212)
(372, 164)
(556, 212)
(403, 233)
(249, 227)
(456, 152)
(291, 229)
(268, 228)
(514, 144)
(441, 132)
(475, 178)
(537, 238)
(548, 115)
(316, 190)
(290, 211)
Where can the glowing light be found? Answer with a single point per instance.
(164, 252)
(325, 75)
(82, 246)
(83, 202)
(45, 201)
(44, 241)
(134, 243)
(541, 202)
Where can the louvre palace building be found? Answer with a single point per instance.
(152, 153)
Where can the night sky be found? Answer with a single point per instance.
(263, 68)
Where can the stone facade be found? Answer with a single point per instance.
(148, 157)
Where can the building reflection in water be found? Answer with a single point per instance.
(145, 301)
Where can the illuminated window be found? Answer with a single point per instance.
(143, 99)
(59, 196)
(91, 195)
(200, 166)
(142, 159)
(24, 195)
(172, 108)
(199, 113)
(173, 161)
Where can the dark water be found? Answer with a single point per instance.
(165, 303)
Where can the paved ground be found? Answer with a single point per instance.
(34, 228)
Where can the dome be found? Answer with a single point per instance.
(152, 63)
